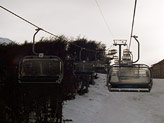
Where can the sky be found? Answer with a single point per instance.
(74, 18)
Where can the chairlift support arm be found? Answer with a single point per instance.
(135, 37)
(33, 46)
(81, 49)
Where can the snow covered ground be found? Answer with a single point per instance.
(102, 106)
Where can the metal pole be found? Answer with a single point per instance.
(133, 23)
(135, 37)
(33, 46)
(119, 55)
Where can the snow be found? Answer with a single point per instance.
(102, 106)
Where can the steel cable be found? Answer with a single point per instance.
(131, 34)
(43, 29)
(104, 19)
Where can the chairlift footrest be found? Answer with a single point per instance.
(129, 89)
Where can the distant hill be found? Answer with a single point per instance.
(5, 40)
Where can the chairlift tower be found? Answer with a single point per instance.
(120, 43)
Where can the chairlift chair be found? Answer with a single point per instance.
(125, 75)
(136, 77)
(34, 69)
(40, 68)
(115, 59)
(112, 51)
(110, 57)
(100, 66)
(126, 58)
(84, 68)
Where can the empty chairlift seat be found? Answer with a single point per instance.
(84, 68)
(34, 69)
(130, 78)
(100, 67)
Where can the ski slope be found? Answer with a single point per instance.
(102, 106)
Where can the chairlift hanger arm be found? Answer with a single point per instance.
(134, 13)
(135, 37)
(80, 53)
(33, 47)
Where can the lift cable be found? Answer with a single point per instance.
(104, 19)
(132, 23)
(28, 21)
(43, 29)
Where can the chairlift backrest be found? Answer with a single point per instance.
(135, 74)
(100, 67)
(126, 58)
(110, 57)
(112, 52)
(84, 68)
(34, 69)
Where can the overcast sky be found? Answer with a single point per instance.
(74, 18)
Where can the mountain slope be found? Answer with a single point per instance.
(5, 40)
(102, 106)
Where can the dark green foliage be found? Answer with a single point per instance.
(85, 53)
(18, 101)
